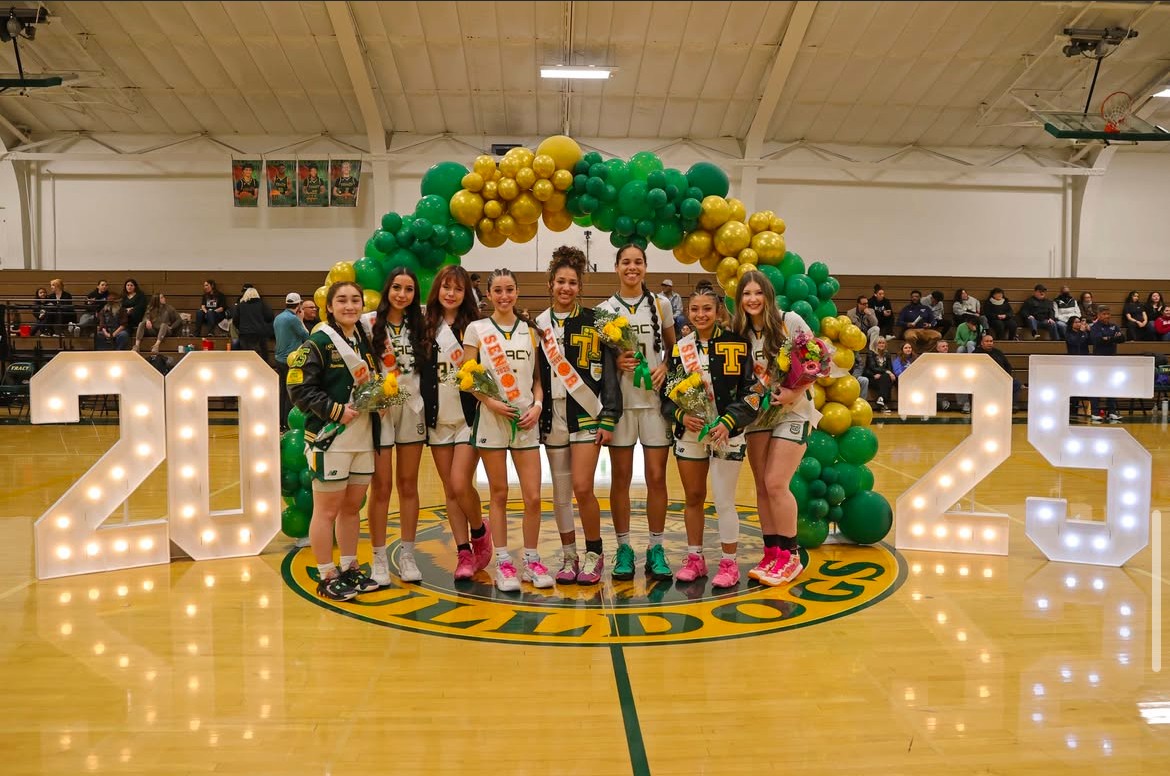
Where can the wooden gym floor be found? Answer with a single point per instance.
(971, 664)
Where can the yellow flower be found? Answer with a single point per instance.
(466, 382)
(695, 380)
(783, 361)
(611, 331)
(390, 385)
(476, 367)
(621, 321)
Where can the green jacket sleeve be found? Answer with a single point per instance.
(307, 390)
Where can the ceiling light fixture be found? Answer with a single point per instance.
(581, 73)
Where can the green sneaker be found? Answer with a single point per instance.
(656, 565)
(623, 564)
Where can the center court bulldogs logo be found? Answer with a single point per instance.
(838, 580)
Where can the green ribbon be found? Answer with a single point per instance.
(642, 373)
(707, 429)
(514, 422)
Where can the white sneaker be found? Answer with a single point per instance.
(380, 570)
(536, 573)
(1113, 417)
(407, 568)
(506, 579)
(302, 543)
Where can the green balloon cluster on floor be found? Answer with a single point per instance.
(296, 481)
(832, 484)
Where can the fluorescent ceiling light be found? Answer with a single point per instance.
(585, 73)
(1164, 93)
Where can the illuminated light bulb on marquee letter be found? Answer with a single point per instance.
(1126, 528)
(923, 520)
(70, 538)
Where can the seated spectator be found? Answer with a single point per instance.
(858, 371)
(935, 302)
(946, 400)
(1162, 325)
(676, 302)
(134, 303)
(987, 345)
(967, 335)
(1088, 309)
(1154, 307)
(1038, 310)
(158, 321)
(310, 314)
(1066, 309)
(253, 319)
(916, 322)
(906, 356)
(113, 330)
(1134, 316)
(62, 315)
(290, 335)
(1105, 336)
(879, 368)
(40, 313)
(95, 300)
(212, 310)
(1000, 316)
(865, 319)
(882, 309)
(1076, 342)
(964, 304)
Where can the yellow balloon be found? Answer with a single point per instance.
(319, 297)
(473, 181)
(744, 269)
(543, 189)
(488, 235)
(491, 190)
(843, 321)
(760, 220)
(777, 225)
(861, 412)
(729, 286)
(818, 395)
(715, 212)
(836, 420)
(726, 269)
(523, 154)
(525, 177)
(680, 253)
(830, 327)
(769, 246)
(493, 208)
(738, 211)
(749, 256)
(485, 166)
(467, 207)
(844, 358)
(557, 220)
(497, 175)
(710, 261)
(555, 203)
(562, 180)
(508, 189)
(525, 209)
(370, 299)
(523, 233)
(732, 237)
(342, 270)
(510, 165)
(506, 225)
(485, 225)
(853, 338)
(564, 151)
(544, 166)
(845, 389)
(698, 243)
(826, 381)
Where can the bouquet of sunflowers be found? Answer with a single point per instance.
(689, 394)
(801, 360)
(473, 378)
(614, 330)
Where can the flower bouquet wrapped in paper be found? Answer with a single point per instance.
(379, 393)
(614, 330)
(689, 393)
(473, 378)
(801, 360)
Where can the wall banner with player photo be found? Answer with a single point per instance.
(344, 178)
(313, 184)
(246, 182)
(281, 175)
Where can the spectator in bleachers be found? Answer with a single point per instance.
(935, 302)
(1088, 309)
(95, 300)
(860, 359)
(212, 309)
(676, 303)
(904, 359)
(1076, 342)
(290, 334)
(1154, 307)
(1038, 310)
(882, 309)
(967, 335)
(1161, 325)
(987, 345)
(309, 314)
(879, 368)
(946, 400)
(134, 303)
(1105, 335)
(62, 315)
(865, 319)
(1000, 317)
(40, 312)
(964, 304)
(113, 330)
(917, 324)
(1134, 315)
(157, 322)
(1066, 309)
(253, 320)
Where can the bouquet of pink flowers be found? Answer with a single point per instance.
(801, 360)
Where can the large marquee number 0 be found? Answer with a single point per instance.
(75, 535)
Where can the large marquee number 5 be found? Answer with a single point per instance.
(924, 522)
(1126, 528)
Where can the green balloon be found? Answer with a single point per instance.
(443, 180)
(618, 173)
(440, 236)
(609, 194)
(799, 488)
(804, 310)
(823, 447)
(825, 290)
(422, 229)
(858, 445)
(290, 482)
(835, 513)
(729, 303)
(818, 508)
(676, 179)
(419, 249)
(617, 239)
(585, 221)
(818, 271)
(595, 186)
(426, 278)
(781, 300)
(656, 179)
(632, 200)
(403, 258)
(835, 494)
(791, 264)
(295, 523)
(391, 222)
(385, 242)
(624, 225)
(817, 488)
(810, 468)
(292, 450)
(460, 239)
(369, 274)
(667, 235)
(709, 179)
(776, 278)
(656, 198)
(303, 500)
(810, 533)
(588, 203)
(450, 259)
(582, 167)
(296, 418)
(866, 517)
(814, 323)
(826, 309)
(848, 477)
(829, 474)
(640, 241)
(431, 260)
(645, 228)
(605, 218)
(690, 208)
(599, 171)
(667, 212)
(433, 208)
(795, 287)
(866, 478)
(306, 478)
(642, 164)
(404, 238)
(593, 157)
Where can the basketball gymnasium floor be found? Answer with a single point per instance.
(882, 662)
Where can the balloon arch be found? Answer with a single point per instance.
(642, 202)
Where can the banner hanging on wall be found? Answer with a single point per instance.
(344, 178)
(312, 189)
(282, 182)
(245, 182)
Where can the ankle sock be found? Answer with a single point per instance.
(623, 538)
(655, 539)
(477, 533)
(465, 547)
(593, 545)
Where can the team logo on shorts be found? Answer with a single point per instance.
(838, 580)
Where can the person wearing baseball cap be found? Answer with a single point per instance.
(676, 303)
(290, 333)
(1037, 310)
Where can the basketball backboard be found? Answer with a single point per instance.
(1074, 125)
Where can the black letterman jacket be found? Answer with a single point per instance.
(608, 388)
(427, 366)
(732, 383)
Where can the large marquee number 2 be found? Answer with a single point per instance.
(75, 536)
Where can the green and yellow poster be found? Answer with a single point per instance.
(282, 182)
(312, 188)
(344, 177)
(245, 182)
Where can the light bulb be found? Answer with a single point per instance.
(208, 536)
(142, 449)
(81, 373)
(186, 432)
(1048, 394)
(991, 410)
(63, 522)
(64, 552)
(186, 394)
(241, 373)
(258, 393)
(187, 472)
(121, 545)
(991, 446)
(114, 371)
(188, 511)
(917, 397)
(917, 529)
(94, 493)
(55, 403)
(259, 429)
(261, 507)
(946, 480)
(919, 502)
(146, 544)
(940, 372)
(261, 467)
(92, 548)
(205, 374)
(117, 473)
(142, 410)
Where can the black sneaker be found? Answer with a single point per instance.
(359, 580)
(336, 588)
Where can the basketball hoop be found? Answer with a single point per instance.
(1114, 109)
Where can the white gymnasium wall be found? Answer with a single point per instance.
(1125, 229)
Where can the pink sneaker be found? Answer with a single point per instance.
(784, 570)
(591, 572)
(567, 575)
(465, 565)
(506, 579)
(482, 548)
(728, 574)
(693, 568)
(765, 563)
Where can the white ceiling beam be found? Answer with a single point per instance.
(23, 138)
(786, 53)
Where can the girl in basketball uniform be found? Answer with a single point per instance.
(774, 453)
(321, 377)
(641, 421)
(724, 360)
(506, 344)
(396, 333)
(449, 413)
(580, 376)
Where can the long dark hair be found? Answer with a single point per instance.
(773, 330)
(412, 315)
(656, 324)
(435, 314)
(504, 272)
